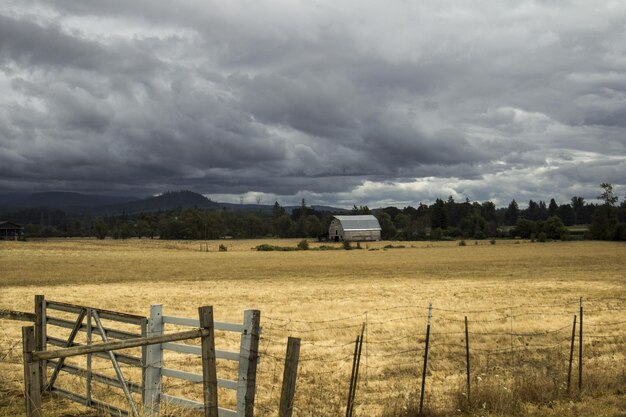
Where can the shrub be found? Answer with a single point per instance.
(553, 228)
(270, 248)
(347, 245)
(492, 241)
(453, 232)
(358, 245)
(524, 228)
(223, 248)
(620, 232)
(303, 245)
(542, 237)
(436, 234)
(462, 243)
(479, 235)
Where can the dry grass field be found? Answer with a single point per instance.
(520, 298)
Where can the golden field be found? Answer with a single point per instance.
(520, 298)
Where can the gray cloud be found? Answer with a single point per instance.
(345, 103)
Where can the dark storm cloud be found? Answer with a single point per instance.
(351, 102)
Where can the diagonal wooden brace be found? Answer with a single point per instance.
(70, 342)
(116, 366)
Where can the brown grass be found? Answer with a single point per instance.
(323, 297)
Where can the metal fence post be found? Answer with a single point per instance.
(580, 348)
(248, 356)
(356, 351)
(571, 356)
(153, 363)
(430, 314)
(290, 374)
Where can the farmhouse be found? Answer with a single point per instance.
(11, 231)
(354, 228)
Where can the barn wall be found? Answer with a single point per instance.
(335, 229)
(362, 235)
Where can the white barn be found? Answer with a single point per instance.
(354, 228)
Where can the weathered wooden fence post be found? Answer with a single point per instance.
(430, 314)
(89, 376)
(571, 356)
(467, 362)
(153, 363)
(580, 348)
(289, 377)
(209, 370)
(32, 381)
(144, 354)
(248, 356)
(40, 335)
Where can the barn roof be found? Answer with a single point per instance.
(10, 225)
(360, 222)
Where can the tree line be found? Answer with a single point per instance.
(444, 219)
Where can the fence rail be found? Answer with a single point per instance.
(32, 360)
(501, 345)
(16, 315)
(247, 357)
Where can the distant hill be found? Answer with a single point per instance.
(8, 197)
(60, 200)
(98, 205)
(167, 201)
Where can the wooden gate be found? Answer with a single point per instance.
(89, 320)
(246, 358)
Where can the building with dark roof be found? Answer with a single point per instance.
(11, 231)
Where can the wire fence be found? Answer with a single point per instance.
(505, 343)
(507, 346)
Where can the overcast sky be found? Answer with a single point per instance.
(339, 102)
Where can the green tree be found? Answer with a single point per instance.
(388, 229)
(402, 222)
(454, 213)
(578, 205)
(533, 211)
(277, 210)
(313, 226)
(552, 208)
(360, 210)
(604, 219)
(607, 194)
(603, 223)
(511, 214)
(553, 228)
(285, 226)
(100, 229)
(488, 211)
(438, 219)
(525, 228)
(566, 214)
